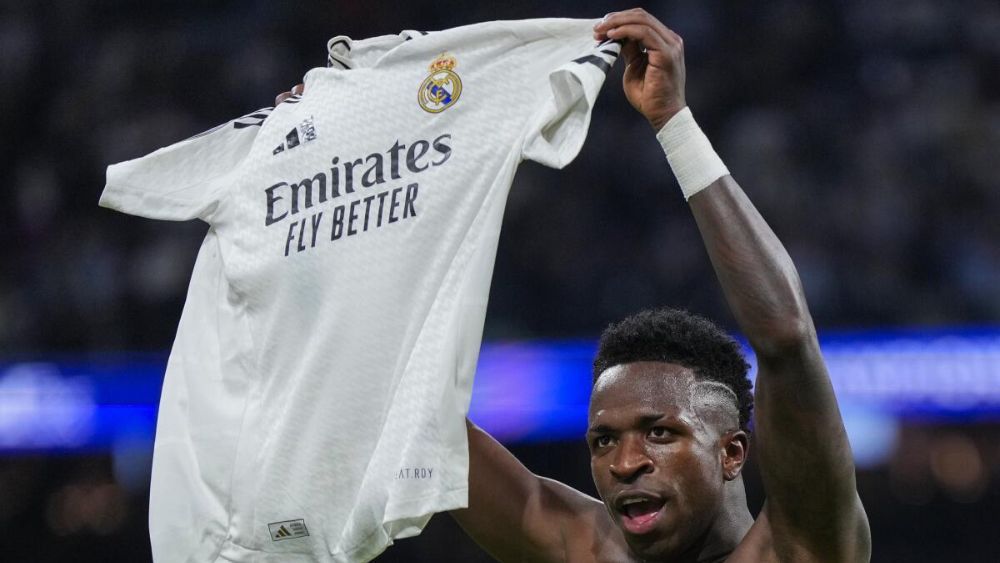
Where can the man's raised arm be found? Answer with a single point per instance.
(805, 460)
(516, 515)
(804, 457)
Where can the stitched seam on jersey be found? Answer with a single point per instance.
(252, 382)
(209, 180)
(246, 407)
(123, 189)
(226, 189)
(231, 186)
(523, 137)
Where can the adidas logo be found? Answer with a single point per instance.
(305, 132)
(289, 529)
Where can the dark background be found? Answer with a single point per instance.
(867, 132)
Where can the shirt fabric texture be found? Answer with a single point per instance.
(314, 401)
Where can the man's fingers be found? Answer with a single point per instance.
(636, 16)
(648, 38)
(633, 16)
(631, 51)
(296, 91)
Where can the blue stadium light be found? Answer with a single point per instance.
(529, 391)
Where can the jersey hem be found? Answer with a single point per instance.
(371, 545)
(449, 500)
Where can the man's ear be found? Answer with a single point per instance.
(735, 447)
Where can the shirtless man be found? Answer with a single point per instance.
(670, 406)
(670, 409)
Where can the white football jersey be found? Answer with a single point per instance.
(314, 402)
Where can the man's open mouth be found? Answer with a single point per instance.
(640, 513)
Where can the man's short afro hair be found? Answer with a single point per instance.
(679, 337)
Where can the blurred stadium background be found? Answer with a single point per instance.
(868, 133)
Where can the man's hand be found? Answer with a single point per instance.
(297, 89)
(654, 59)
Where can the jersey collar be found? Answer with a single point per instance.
(343, 53)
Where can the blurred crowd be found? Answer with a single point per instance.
(868, 133)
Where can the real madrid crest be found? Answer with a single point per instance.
(441, 89)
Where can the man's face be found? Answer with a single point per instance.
(656, 456)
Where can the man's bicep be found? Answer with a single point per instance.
(513, 514)
(804, 455)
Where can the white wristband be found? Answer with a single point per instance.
(690, 154)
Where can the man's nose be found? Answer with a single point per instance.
(631, 460)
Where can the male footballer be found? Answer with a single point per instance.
(671, 405)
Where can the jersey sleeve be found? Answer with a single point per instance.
(574, 67)
(184, 180)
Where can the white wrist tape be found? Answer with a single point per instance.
(690, 154)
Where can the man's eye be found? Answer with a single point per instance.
(602, 441)
(659, 432)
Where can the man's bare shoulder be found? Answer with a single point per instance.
(757, 545)
(764, 544)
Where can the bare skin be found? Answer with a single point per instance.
(658, 436)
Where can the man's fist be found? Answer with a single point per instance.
(654, 63)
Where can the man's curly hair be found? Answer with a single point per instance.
(679, 337)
